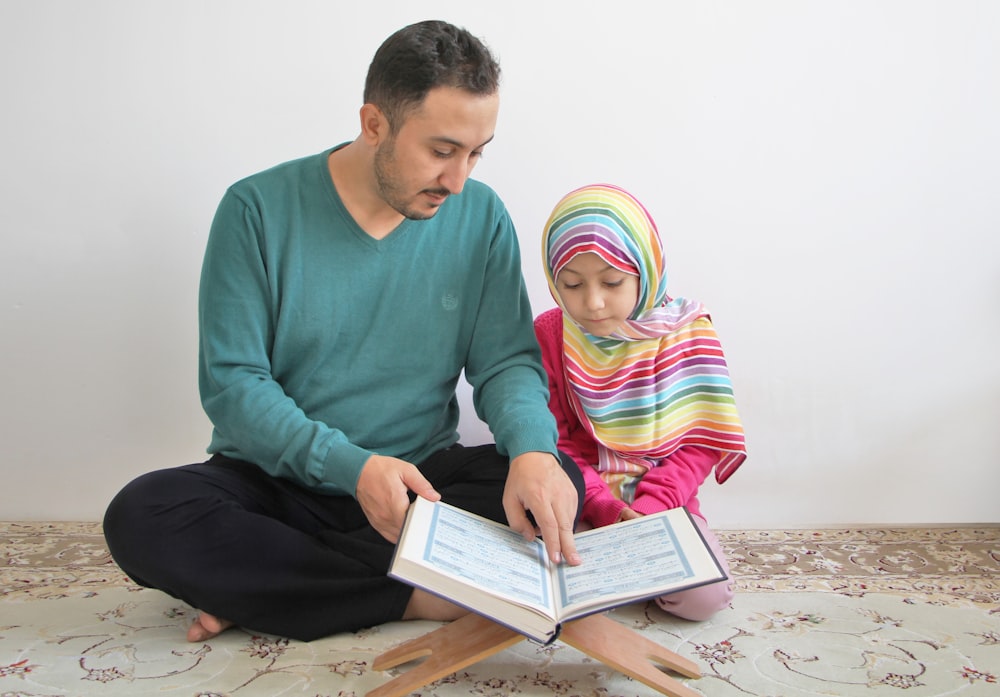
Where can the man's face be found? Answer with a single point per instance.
(434, 151)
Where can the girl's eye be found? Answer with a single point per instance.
(571, 286)
(613, 284)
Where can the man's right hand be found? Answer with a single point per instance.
(383, 492)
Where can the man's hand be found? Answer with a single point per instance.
(536, 482)
(382, 491)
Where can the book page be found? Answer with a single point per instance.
(493, 557)
(624, 559)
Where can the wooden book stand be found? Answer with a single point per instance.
(473, 638)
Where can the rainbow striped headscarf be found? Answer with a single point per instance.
(661, 381)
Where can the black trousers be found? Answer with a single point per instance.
(227, 538)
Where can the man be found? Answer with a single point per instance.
(341, 297)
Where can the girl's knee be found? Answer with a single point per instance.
(698, 604)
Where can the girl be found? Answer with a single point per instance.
(637, 381)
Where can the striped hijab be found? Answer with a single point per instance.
(661, 381)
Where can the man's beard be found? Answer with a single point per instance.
(390, 188)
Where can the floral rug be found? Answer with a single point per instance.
(909, 612)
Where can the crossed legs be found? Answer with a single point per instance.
(263, 553)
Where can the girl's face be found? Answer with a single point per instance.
(598, 296)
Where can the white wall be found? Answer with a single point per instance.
(825, 176)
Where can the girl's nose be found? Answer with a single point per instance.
(595, 300)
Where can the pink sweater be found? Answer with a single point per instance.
(673, 483)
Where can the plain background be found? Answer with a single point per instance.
(824, 175)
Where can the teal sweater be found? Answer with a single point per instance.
(321, 345)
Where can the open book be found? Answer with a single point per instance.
(491, 570)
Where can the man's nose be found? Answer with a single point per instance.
(454, 176)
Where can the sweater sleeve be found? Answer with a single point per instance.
(504, 366)
(675, 481)
(253, 418)
(600, 507)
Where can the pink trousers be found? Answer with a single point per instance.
(701, 603)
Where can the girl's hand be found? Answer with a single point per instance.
(627, 514)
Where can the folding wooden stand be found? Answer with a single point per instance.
(472, 638)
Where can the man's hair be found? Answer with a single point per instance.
(422, 56)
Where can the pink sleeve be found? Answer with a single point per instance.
(600, 507)
(548, 330)
(675, 481)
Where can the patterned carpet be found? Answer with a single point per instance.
(908, 612)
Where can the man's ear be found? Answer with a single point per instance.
(374, 125)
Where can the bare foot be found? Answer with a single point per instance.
(206, 626)
(425, 606)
